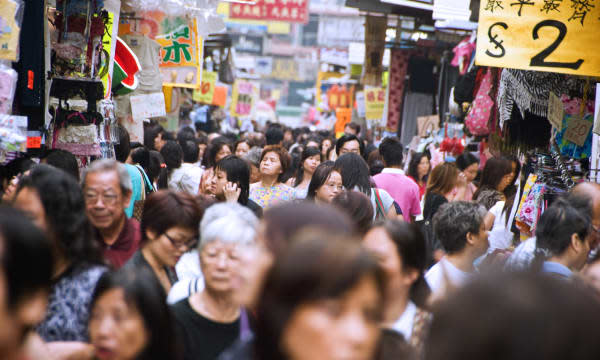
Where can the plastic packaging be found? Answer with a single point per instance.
(13, 133)
(8, 86)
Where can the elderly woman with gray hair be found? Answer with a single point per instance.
(212, 319)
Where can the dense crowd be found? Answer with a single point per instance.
(289, 244)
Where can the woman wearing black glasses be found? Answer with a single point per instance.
(169, 228)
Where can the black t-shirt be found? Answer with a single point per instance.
(433, 202)
(203, 339)
(256, 209)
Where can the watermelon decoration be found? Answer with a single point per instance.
(126, 67)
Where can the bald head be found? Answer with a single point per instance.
(592, 192)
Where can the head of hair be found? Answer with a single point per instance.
(141, 156)
(533, 317)
(413, 166)
(317, 266)
(64, 205)
(191, 151)
(392, 346)
(27, 262)
(143, 292)
(560, 221)
(284, 158)
(241, 141)
(320, 176)
(123, 147)
(355, 172)
(493, 172)
(106, 165)
(238, 172)
(151, 131)
(391, 150)
(253, 156)
(166, 209)
(354, 126)
(306, 153)
(344, 139)
(202, 138)
(172, 154)
(358, 206)
(230, 223)
(16, 167)
(274, 135)
(213, 149)
(454, 220)
(465, 160)
(185, 134)
(64, 160)
(282, 222)
(412, 251)
(375, 162)
(442, 179)
(154, 165)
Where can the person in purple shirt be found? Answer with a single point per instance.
(393, 180)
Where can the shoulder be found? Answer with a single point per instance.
(434, 277)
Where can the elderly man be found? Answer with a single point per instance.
(523, 255)
(107, 192)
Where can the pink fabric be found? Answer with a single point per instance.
(477, 121)
(404, 191)
(462, 55)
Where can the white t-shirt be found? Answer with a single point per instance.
(444, 271)
(190, 277)
(386, 200)
(500, 237)
(404, 325)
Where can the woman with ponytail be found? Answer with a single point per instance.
(401, 251)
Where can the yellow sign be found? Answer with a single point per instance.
(207, 89)
(542, 35)
(374, 103)
(242, 99)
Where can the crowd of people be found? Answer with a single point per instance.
(289, 244)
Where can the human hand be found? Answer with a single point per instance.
(462, 180)
(232, 192)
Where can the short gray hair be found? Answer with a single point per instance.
(228, 222)
(105, 165)
(253, 156)
(454, 220)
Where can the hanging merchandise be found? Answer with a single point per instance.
(8, 86)
(146, 51)
(478, 118)
(575, 137)
(462, 54)
(375, 28)
(375, 103)
(13, 134)
(226, 69)
(125, 69)
(76, 131)
(11, 17)
(242, 100)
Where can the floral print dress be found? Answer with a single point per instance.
(268, 197)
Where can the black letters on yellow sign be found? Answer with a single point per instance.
(498, 43)
(540, 59)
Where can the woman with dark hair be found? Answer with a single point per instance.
(156, 165)
(169, 228)
(327, 148)
(217, 150)
(468, 164)
(355, 176)
(309, 161)
(322, 299)
(401, 251)
(419, 169)
(496, 175)
(130, 319)
(325, 184)
(241, 148)
(232, 183)
(173, 156)
(357, 206)
(440, 185)
(55, 203)
(269, 191)
(11, 173)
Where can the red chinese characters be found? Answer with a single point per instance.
(295, 11)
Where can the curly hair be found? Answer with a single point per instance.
(64, 205)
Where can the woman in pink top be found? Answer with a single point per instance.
(468, 164)
(419, 169)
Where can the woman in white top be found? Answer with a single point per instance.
(400, 248)
(310, 160)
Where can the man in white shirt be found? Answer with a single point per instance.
(460, 227)
(188, 176)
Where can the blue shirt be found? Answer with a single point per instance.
(136, 182)
(550, 267)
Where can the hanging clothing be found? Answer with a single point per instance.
(415, 105)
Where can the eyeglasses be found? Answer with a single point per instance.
(107, 198)
(190, 244)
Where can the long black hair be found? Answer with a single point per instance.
(64, 205)
(413, 166)
(411, 249)
(143, 292)
(210, 155)
(319, 178)
(308, 152)
(238, 172)
(355, 172)
(173, 157)
(493, 172)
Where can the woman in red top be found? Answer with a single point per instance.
(419, 169)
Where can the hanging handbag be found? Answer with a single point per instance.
(478, 118)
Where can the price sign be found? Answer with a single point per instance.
(556, 111)
(578, 130)
(375, 103)
(540, 35)
(207, 89)
(147, 106)
(34, 142)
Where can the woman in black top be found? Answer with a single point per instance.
(232, 183)
(169, 228)
(442, 180)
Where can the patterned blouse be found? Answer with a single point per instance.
(271, 196)
(68, 305)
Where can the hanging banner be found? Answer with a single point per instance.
(548, 35)
(374, 103)
(147, 106)
(343, 117)
(295, 11)
(242, 98)
(207, 89)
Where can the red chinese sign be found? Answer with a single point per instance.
(274, 10)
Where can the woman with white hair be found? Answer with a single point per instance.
(211, 320)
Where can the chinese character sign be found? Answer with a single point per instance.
(274, 10)
(541, 35)
(375, 103)
(242, 98)
(207, 90)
